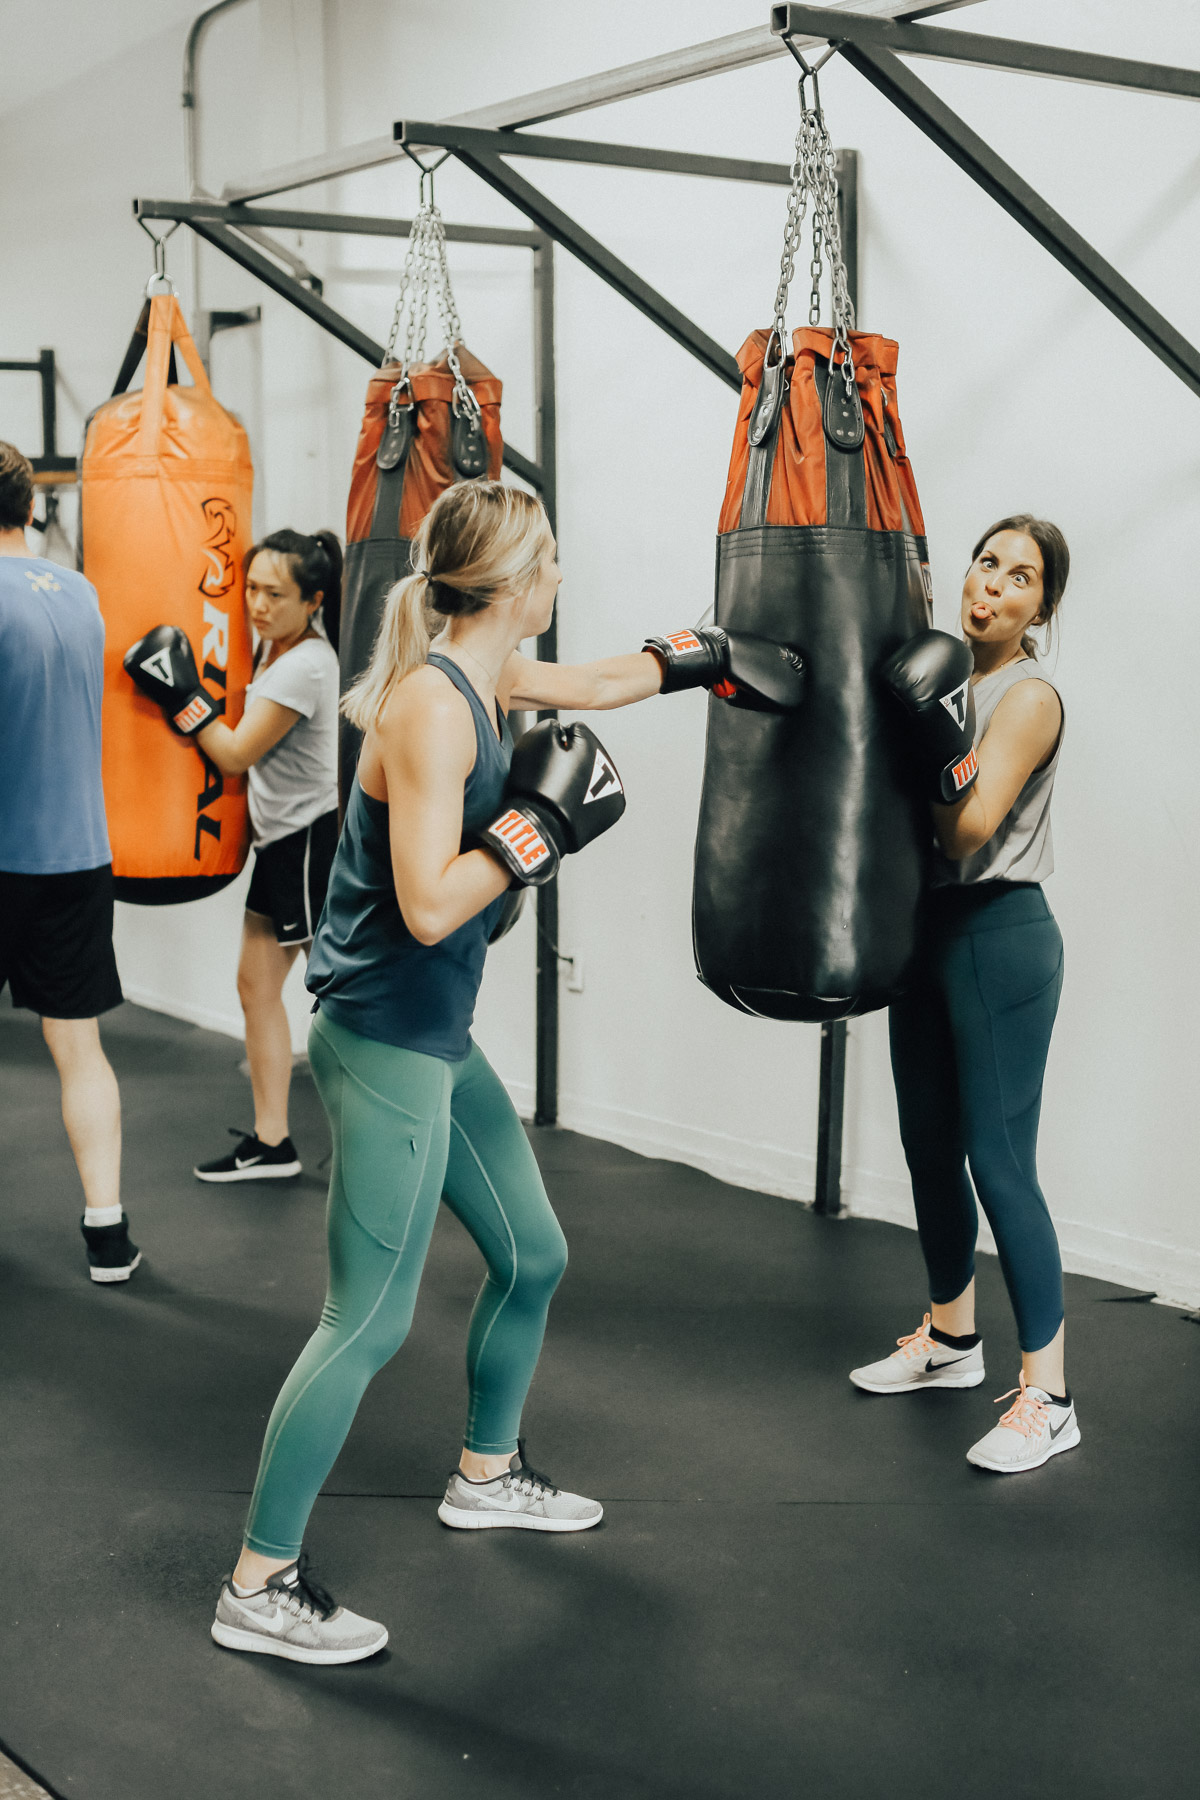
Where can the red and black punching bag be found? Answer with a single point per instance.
(417, 439)
(812, 843)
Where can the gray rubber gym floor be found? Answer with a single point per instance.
(797, 1589)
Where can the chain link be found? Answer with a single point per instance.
(814, 186)
(426, 273)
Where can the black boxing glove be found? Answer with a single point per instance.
(750, 672)
(163, 666)
(562, 791)
(930, 675)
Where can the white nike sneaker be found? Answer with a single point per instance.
(1035, 1428)
(921, 1362)
(294, 1618)
(519, 1497)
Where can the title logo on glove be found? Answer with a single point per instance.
(955, 704)
(523, 838)
(604, 780)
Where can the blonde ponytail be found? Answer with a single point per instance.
(478, 542)
(401, 645)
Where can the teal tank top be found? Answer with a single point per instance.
(367, 970)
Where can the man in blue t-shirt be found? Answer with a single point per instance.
(56, 891)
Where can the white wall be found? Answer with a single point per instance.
(1017, 390)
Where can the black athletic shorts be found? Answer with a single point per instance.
(56, 949)
(290, 877)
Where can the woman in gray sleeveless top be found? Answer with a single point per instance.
(969, 1038)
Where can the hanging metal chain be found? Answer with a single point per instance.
(426, 272)
(814, 183)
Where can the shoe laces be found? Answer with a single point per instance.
(1028, 1412)
(303, 1596)
(527, 1480)
(918, 1342)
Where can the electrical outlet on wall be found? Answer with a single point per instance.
(573, 963)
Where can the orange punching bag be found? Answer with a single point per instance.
(166, 491)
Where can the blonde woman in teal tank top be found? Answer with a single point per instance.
(969, 1038)
(416, 1113)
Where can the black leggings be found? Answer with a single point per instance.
(969, 1043)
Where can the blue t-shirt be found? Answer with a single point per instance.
(366, 968)
(51, 682)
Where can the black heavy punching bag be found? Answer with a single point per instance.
(812, 840)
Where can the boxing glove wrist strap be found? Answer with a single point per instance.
(521, 839)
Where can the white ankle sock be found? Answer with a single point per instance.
(243, 1593)
(102, 1215)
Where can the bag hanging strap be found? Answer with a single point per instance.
(165, 329)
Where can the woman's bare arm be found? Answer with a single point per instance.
(578, 687)
(1021, 737)
(234, 750)
(426, 745)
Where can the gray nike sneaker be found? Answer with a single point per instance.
(294, 1618)
(1033, 1430)
(520, 1497)
(921, 1362)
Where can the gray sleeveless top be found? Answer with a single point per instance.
(1022, 848)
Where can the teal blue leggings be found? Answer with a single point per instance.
(409, 1130)
(969, 1045)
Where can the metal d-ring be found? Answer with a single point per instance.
(159, 240)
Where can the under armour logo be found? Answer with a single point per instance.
(955, 704)
(159, 665)
(44, 583)
(604, 780)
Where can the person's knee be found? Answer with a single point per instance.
(75, 1045)
(542, 1264)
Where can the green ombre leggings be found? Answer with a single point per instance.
(409, 1130)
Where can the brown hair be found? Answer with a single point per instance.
(1056, 566)
(478, 540)
(16, 488)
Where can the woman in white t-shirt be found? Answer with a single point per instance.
(287, 741)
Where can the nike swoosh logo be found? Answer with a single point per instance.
(1061, 1428)
(947, 1362)
(276, 1621)
(247, 1162)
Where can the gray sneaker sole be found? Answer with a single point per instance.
(231, 1638)
(462, 1520)
(106, 1275)
(969, 1380)
(259, 1172)
(1067, 1441)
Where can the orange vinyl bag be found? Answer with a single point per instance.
(166, 494)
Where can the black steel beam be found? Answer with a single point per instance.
(320, 311)
(545, 1110)
(976, 51)
(562, 228)
(423, 135)
(1023, 203)
(281, 218)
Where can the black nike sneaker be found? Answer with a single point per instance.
(110, 1253)
(252, 1160)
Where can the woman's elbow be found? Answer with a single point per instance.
(424, 924)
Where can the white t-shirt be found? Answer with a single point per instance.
(296, 781)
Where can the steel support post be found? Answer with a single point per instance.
(546, 1075)
(831, 1103)
(831, 1081)
(1023, 203)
